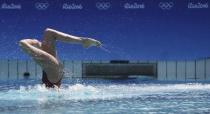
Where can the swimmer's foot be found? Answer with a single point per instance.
(88, 42)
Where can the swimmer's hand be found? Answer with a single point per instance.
(88, 42)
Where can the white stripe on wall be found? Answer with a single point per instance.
(200, 70)
(208, 69)
(171, 70)
(3, 70)
(12, 70)
(68, 69)
(21, 68)
(77, 69)
(32, 69)
(161, 70)
(38, 71)
(190, 71)
(181, 71)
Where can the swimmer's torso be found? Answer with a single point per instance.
(54, 72)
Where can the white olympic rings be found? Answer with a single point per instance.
(166, 5)
(103, 5)
(41, 5)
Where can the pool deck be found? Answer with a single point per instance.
(186, 70)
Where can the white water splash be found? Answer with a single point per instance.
(105, 49)
(97, 92)
(116, 51)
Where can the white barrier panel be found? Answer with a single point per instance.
(95, 61)
(21, 69)
(3, 69)
(200, 70)
(171, 70)
(161, 70)
(143, 61)
(86, 61)
(181, 71)
(133, 61)
(13, 67)
(38, 71)
(77, 69)
(152, 62)
(208, 69)
(105, 61)
(190, 70)
(68, 69)
(31, 67)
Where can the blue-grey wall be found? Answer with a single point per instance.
(194, 70)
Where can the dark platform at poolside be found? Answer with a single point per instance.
(118, 69)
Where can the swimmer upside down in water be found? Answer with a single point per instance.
(44, 53)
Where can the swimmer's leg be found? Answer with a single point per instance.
(32, 48)
(47, 61)
(50, 35)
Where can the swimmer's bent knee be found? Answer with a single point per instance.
(49, 31)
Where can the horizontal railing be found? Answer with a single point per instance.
(192, 70)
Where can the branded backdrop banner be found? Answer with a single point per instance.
(128, 29)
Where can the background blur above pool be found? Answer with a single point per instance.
(129, 29)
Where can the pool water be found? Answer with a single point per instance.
(88, 96)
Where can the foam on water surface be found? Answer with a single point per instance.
(106, 96)
(100, 91)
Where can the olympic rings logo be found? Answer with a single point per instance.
(166, 5)
(41, 6)
(103, 5)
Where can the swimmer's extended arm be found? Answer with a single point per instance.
(86, 42)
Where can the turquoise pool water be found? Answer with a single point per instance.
(130, 96)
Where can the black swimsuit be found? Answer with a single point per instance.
(47, 83)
